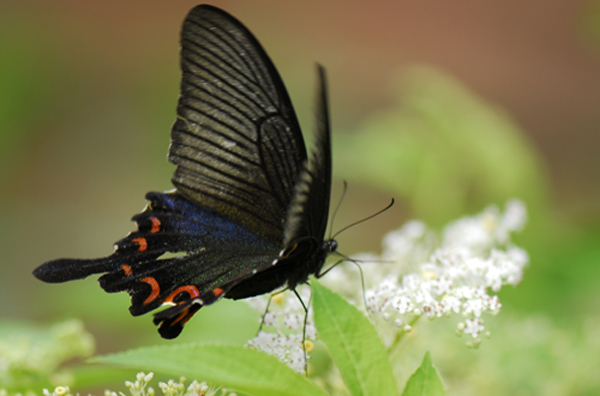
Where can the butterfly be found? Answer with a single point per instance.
(249, 210)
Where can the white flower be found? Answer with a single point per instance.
(473, 327)
(474, 256)
(140, 386)
(58, 391)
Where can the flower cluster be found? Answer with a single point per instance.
(435, 279)
(172, 388)
(140, 388)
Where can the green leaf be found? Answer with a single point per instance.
(241, 369)
(353, 344)
(95, 376)
(425, 381)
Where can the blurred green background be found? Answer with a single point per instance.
(446, 106)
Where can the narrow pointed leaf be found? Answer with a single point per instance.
(241, 369)
(425, 381)
(353, 344)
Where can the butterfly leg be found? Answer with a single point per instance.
(330, 268)
(262, 322)
(304, 329)
(362, 275)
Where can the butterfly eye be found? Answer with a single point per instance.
(332, 245)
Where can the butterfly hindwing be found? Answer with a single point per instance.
(210, 252)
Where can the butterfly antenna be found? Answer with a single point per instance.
(337, 207)
(365, 219)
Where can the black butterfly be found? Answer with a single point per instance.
(249, 211)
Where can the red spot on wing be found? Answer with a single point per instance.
(127, 269)
(217, 291)
(155, 225)
(155, 289)
(142, 242)
(190, 289)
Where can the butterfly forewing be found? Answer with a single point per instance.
(237, 143)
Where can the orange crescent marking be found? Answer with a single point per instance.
(217, 291)
(127, 269)
(187, 318)
(191, 289)
(155, 225)
(142, 242)
(181, 316)
(155, 289)
(184, 316)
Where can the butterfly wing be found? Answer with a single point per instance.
(236, 142)
(309, 210)
(181, 254)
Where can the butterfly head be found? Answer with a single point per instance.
(330, 246)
